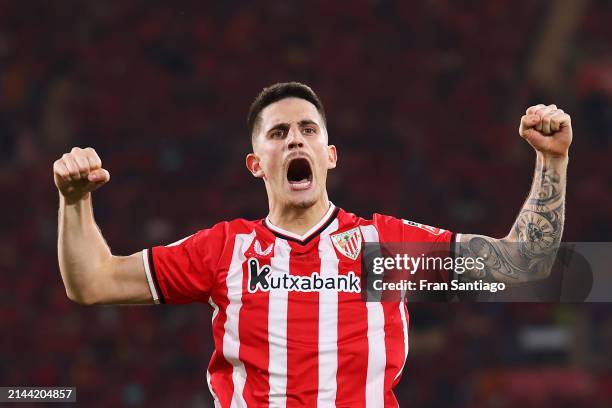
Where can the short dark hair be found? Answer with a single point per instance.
(275, 93)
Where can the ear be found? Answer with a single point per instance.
(254, 165)
(332, 157)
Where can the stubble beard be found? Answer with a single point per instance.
(305, 204)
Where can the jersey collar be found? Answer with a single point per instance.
(329, 216)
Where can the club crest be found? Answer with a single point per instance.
(348, 243)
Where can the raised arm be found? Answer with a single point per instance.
(91, 274)
(529, 250)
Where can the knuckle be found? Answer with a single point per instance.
(75, 149)
(534, 108)
(92, 154)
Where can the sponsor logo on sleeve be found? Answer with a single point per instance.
(430, 229)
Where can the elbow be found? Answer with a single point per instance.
(85, 287)
(541, 275)
(80, 298)
(547, 268)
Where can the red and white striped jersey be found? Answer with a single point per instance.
(290, 327)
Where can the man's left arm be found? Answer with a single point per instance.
(528, 252)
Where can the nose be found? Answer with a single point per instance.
(294, 139)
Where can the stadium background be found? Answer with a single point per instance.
(423, 99)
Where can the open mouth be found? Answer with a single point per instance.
(299, 174)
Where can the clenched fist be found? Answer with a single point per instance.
(547, 129)
(78, 173)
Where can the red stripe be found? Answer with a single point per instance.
(394, 345)
(354, 241)
(303, 333)
(253, 332)
(350, 247)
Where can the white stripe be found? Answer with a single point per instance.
(293, 235)
(145, 261)
(231, 339)
(328, 323)
(402, 308)
(377, 358)
(180, 241)
(214, 316)
(277, 327)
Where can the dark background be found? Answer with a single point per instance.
(423, 100)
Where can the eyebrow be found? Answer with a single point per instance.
(301, 123)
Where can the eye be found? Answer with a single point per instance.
(277, 134)
(310, 131)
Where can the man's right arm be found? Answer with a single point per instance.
(91, 273)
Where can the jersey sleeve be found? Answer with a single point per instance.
(184, 272)
(398, 230)
(418, 239)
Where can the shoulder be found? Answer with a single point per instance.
(225, 230)
(376, 219)
(391, 228)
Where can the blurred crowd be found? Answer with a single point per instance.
(423, 102)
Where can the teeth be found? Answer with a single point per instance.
(300, 181)
(300, 185)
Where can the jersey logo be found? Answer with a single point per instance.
(262, 252)
(258, 277)
(348, 243)
(262, 279)
(431, 230)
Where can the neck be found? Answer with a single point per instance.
(297, 219)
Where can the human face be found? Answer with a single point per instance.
(291, 154)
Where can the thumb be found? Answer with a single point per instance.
(99, 176)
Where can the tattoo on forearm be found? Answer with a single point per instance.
(529, 251)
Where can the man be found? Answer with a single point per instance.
(280, 339)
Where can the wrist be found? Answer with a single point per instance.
(74, 201)
(552, 158)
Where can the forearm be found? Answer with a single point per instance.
(82, 251)
(539, 225)
(529, 250)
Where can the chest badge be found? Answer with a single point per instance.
(348, 243)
